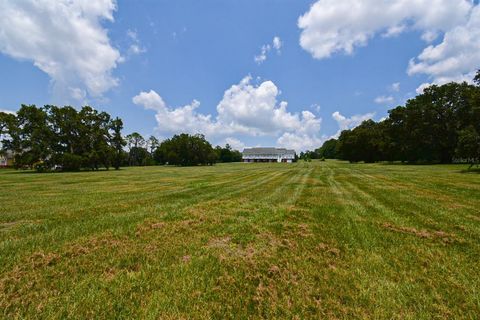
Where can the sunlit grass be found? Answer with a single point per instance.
(312, 240)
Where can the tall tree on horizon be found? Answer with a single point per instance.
(117, 141)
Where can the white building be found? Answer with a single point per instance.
(268, 155)
(6, 159)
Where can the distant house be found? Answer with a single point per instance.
(268, 155)
(6, 159)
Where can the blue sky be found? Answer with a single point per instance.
(167, 67)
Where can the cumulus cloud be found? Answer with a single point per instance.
(255, 110)
(245, 110)
(176, 120)
(384, 100)
(150, 100)
(235, 143)
(7, 111)
(304, 138)
(345, 123)
(422, 87)
(454, 59)
(394, 31)
(64, 39)
(332, 26)
(266, 48)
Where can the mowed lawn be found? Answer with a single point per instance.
(306, 240)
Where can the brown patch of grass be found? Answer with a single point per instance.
(110, 274)
(13, 224)
(41, 259)
(323, 247)
(424, 234)
(7, 225)
(304, 230)
(219, 242)
(227, 249)
(148, 226)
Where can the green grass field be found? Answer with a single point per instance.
(306, 240)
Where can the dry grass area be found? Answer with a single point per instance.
(321, 240)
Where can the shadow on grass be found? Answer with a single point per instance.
(34, 172)
(471, 170)
(417, 163)
(465, 167)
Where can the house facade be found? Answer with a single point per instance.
(6, 159)
(268, 155)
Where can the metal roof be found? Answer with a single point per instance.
(263, 150)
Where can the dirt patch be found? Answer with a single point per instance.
(76, 250)
(274, 271)
(264, 245)
(9, 225)
(331, 250)
(41, 259)
(228, 249)
(149, 226)
(424, 234)
(110, 274)
(474, 218)
(219, 242)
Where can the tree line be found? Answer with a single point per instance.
(64, 138)
(441, 125)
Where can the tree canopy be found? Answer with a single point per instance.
(227, 154)
(62, 137)
(185, 150)
(440, 125)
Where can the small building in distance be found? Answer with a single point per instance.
(6, 159)
(268, 155)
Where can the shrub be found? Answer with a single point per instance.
(71, 162)
(40, 166)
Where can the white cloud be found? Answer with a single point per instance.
(266, 48)
(176, 120)
(332, 26)
(345, 123)
(422, 87)
(304, 138)
(429, 36)
(384, 100)
(66, 40)
(7, 111)
(235, 143)
(277, 43)
(135, 46)
(150, 100)
(394, 31)
(395, 87)
(245, 110)
(454, 59)
(254, 110)
(263, 54)
(136, 49)
(316, 107)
